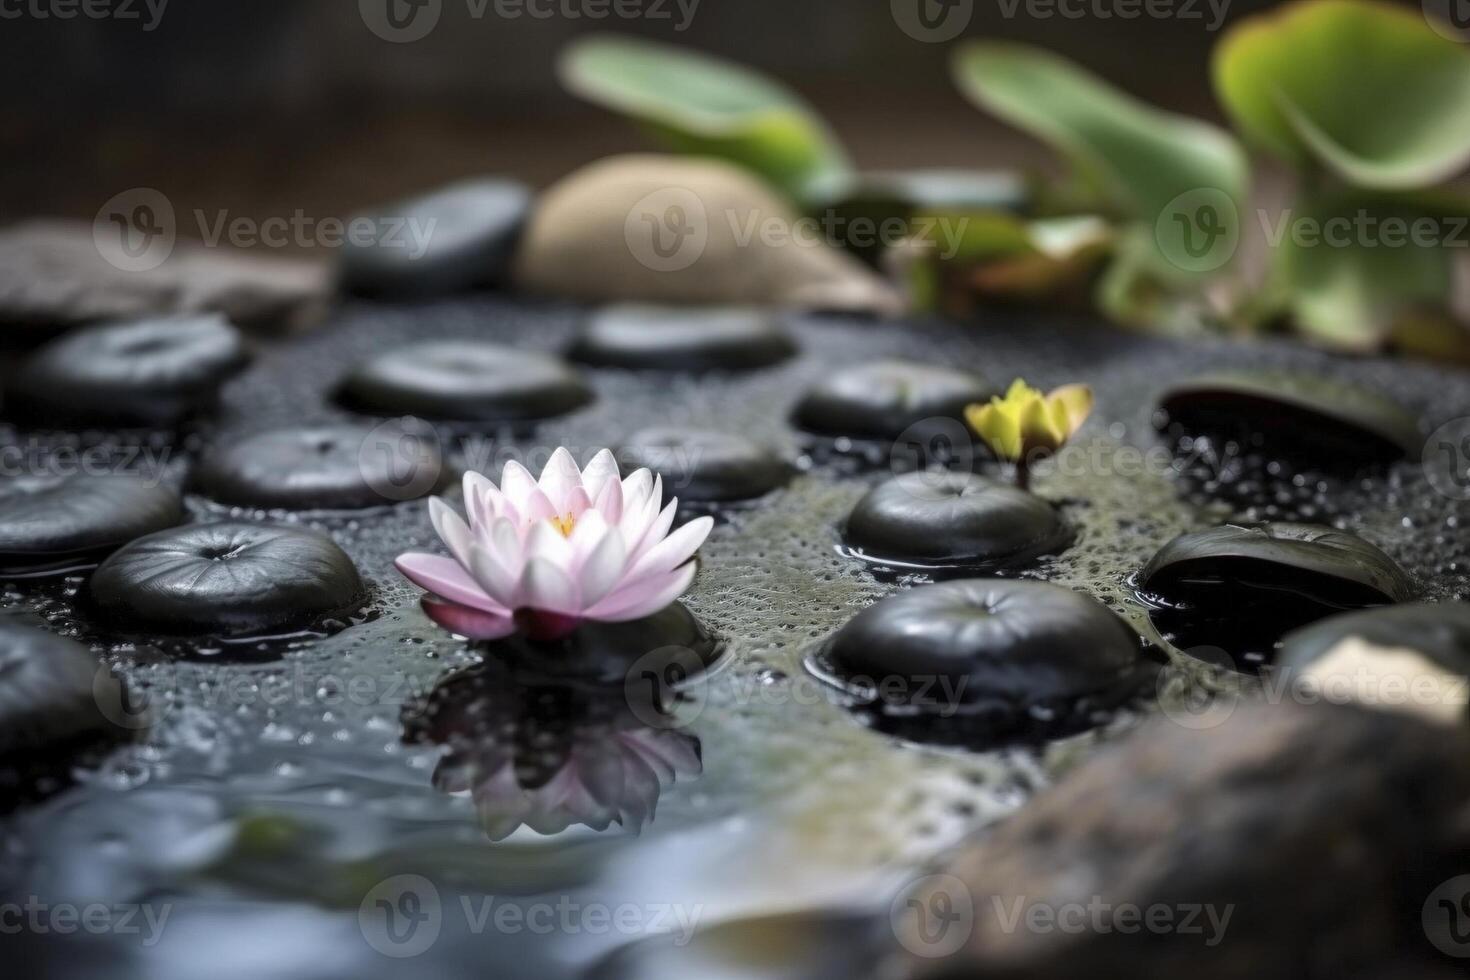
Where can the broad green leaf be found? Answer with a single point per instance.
(1346, 267)
(1143, 161)
(703, 105)
(1365, 89)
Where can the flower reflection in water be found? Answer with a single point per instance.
(549, 755)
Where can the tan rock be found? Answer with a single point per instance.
(667, 229)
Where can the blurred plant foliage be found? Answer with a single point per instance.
(1364, 102)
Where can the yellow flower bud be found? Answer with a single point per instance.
(1026, 423)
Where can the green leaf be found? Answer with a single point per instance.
(1364, 89)
(1346, 267)
(708, 106)
(1141, 160)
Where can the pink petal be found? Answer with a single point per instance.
(549, 544)
(483, 500)
(636, 487)
(517, 484)
(609, 502)
(470, 623)
(644, 597)
(445, 578)
(655, 533)
(558, 478)
(673, 550)
(505, 543)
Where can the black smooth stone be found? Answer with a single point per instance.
(1241, 589)
(458, 238)
(325, 467)
(466, 381)
(943, 518)
(156, 372)
(1438, 630)
(884, 399)
(700, 465)
(996, 647)
(51, 522)
(1300, 418)
(669, 646)
(227, 578)
(683, 339)
(52, 691)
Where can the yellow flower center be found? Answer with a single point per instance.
(564, 524)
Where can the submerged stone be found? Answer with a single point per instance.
(324, 467)
(55, 522)
(945, 519)
(1297, 417)
(1240, 589)
(884, 399)
(155, 372)
(996, 655)
(231, 577)
(456, 238)
(52, 691)
(677, 338)
(701, 465)
(468, 381)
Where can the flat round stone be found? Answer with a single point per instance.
(683, 339)
(1440, 631)
(325, 467)
(155, 372)
(943, 518)
(994, 645)
(229, 578)
(458, 238)
(884, 399)
(700, 465)
(467, 381)
(56, 521)
(52, 690)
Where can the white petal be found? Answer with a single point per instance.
(588, 533)
(517, 484)
(558, 477)
(452, 529)
(482, 499)
(673, 550)
(609, 501)
(499, 581)
(656, 532)
(636, 487)
(505, 543)
(600, 472)
(602, 568)
(545, 586)
(549, 544)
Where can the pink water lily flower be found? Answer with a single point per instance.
(543, 555)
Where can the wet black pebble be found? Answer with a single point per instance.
(683, 339)
(457, 238)
(700, 465)
(52, 690)
(325, 467)
(883, 399)
(660, 650)
(466, 381)
(151, 373)
(990, 647)
(942, 518)
(53, 522)
(1237, 590)
(226, 578)
(1438, 630)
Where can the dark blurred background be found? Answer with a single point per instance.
(268, 106)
